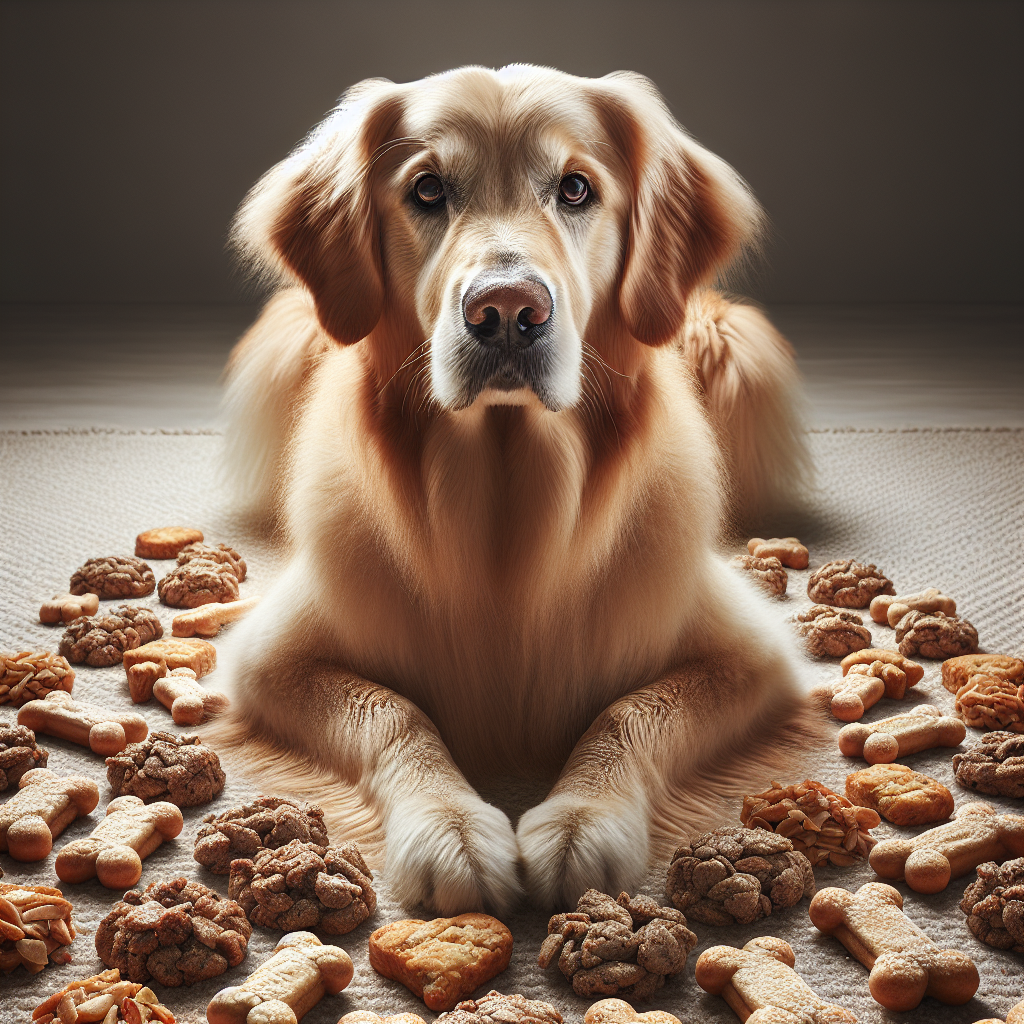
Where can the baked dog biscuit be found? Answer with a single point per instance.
(284, 988)
(369, 1017)
(45, 804)
(867, 678)
(187, 701)
(895, 686)
(889, 609)
(905, 964)
(929, 860)
(114, 852)
(618, 1011)
(65, 607)
(788, 550)
(1015, 1015)
(165, 541)
(919, 729)
(103, 732)
(957, 672)
(146, 664)
(207, 619)
(31, 675)
(900, 794)
(760, 977)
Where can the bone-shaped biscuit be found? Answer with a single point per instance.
(207, 619)
(114, 852)
(102, 731)
(188, 702)
(150, 662)
(788, 550)
(67, 607)
(928, 861)
(895, 687)
(905, 964)
(286, 986)
(868, 676)
(889, 609)
(759, 983)
(45, 804)
(884, 741)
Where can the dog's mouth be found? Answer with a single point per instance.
(501, 372)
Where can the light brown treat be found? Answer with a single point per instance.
(68, 607)
(187, 701)
(855, 693)
(18, 754)
(905, 964)
(829, 633)
(847, 584)
(929, 860)
(994, 905)
(166, 541)
(921, 728)
(442, 960)
(618, 1011)
(934, 635)
(208, 618)
(284, 988)
(219, 553)
(165, 766)
(145, 665)
(994, 766)
(820, 824)
(114, 576)
(889, 609)
(866, 679)
(101, 640)
(45, 804)
(767, 573)
(102, 731)
(737, 876)
(909, 673)
(494, 1008)
(759, 983)
(958, 672)
(115, 850)
(788, 550)
(103, 997)
(627, 946)
(177, 933)
(1014, 1016)
(369, 1017)
(987, 702)
(31, 675)
(36, 927)
(198, 582)
(900, 794)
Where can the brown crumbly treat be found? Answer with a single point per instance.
(114, 576)
(18, 754)
(889, 609)
(921, 728)
(994, 766)
(369, 1017)
(737, 876)
(103, 997)
(101, 640)
(905, 964)
(45, 804)
(176, 933)
(934, 635)
(822, 825)
(994, 905)
(36, 927)
(165, 766)
(102, 731)
(302, 886)
(145, 665)
(68, 607)
(829, 633)
(166, 541)
(900, 794)
(208, 618)
(269, 822)
(958, 672)
(31, 675)
(219, 553)
(990, 703)
(847, 584)
(767, 573)
(197, 582)
(788, 550)
(494, 1008)
(624, 947)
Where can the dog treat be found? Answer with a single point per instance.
(618, 1011)
(995, 766)
(219, 553)
(187, 701)
(101, 640)
(176, 933)
(820, 824)
(208, 618)
(889, 609)
(788, 550)
(929, 860)
(1014, 1016)
(990, 703)
(269, 822)
(900, 794)
(869, 675)
(767, 573)
(760, 977)
(114, 576)
(31, 675)
(494, 1008)
(369, 1017)
(165, 766)
(994, 905)
(45, 804)
(198, 582)
(18, 754)
(442, 960)
(114, 852)
(905, 964)
(166, 541)
(737, 876)
(627, 946)
(103, 997)
(934, 635)
(829, 633)
(919, 729)
(145, 665)
(103, 732)
(847, 584)
(36, 927)
(68, 607)
(301, 886)
(958, 672)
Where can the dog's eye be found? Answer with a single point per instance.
(573, 189)
(428, 191)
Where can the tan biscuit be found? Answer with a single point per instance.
(207, 619)
(369, 1017)
(45, 804)
(889, 609)
(905, 964)
(895, 687)
(919, 729)
(199, 582)
(66, 607)
(31, 675)
(285, 987)
(102, 731)
(145, 665)
(928, 861)
(957, 672)
(114, 852)
(900, 794)
(855, 693)
(831, 632)
(187, 701)
(165, 541)
(36, 927)
(788, 550)
(618, 1011)
(760, 977)
(987, 702)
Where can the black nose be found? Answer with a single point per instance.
(500, 309)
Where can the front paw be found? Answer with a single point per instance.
(454, 856)
(568, 845)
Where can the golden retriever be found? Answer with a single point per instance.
(503, 421)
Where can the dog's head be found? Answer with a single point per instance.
(488, 231)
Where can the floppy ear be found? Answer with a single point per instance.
(312, 216)
(691, 212)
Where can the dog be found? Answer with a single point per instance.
(501, 420)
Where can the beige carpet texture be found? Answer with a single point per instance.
(936, 508)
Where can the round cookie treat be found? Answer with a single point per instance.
(164, 766)
(102, 640)
(114, 576)
(165, 541)
(847, 584)
(994, 766)
(829, 633)
(994, 905)
(198, 582)
(935, 635)
(215, 553)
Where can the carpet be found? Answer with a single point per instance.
(931, 507)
